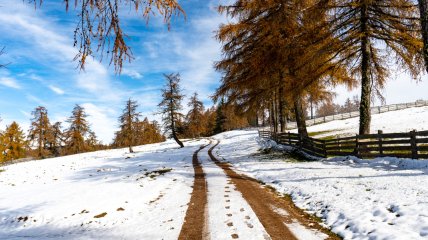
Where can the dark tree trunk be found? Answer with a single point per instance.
(312, 109)
(275, 113)
(173, 133)
(300, 117)
(271, 117)
(281, 109)
(423, 8)
(365, 115)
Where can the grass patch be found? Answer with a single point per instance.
(313, 134)
(2, 170)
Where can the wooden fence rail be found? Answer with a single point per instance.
(403, 145)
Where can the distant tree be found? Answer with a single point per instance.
(148, 132)
(91, 142)
(78, 130)
(220, 117)
(326, 109)
(232, 120)
(196, 122)
(127, 135)
(210, 115)
(99, 25)
(40, 132)
(58, 140)
(170, 105)
(14, 143)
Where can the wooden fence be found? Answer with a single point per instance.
(374, 110)
(403, 145)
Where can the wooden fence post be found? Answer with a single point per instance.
(414, 144)
(380, 132)
(324, 149)
(289, 138)
(356, 151)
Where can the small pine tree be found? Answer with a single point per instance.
(57, 141)
(170, 105)
(14, 143)
(196, 122)
(127, 135)
(40, 132)
(79, 128)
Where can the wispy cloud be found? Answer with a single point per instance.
(56, 90)
(9, 82)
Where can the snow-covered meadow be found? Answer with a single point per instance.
(384, 198)
(101, 195)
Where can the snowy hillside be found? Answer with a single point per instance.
(358, 199)
(101, 195)
(396, 121)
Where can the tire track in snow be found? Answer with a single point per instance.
(279, 217)
(194, 222)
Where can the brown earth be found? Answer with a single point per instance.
(194, 222)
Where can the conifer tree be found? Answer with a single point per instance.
(14, 142)
(127, 135)
(368, 35)
(220, 117)
(78, 130)
(196, 123)
(170, 105)
(40, 132)
(58, 140)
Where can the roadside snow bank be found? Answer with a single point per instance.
(384, 198)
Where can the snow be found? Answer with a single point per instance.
(384, 198)
(395, 121)
(144, 195)
(228, 212)
(59, 198)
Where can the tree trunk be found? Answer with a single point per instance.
(300, 117)
(365, 115)
(312, 109)
(174, 135)
(281, 109)
(423, 8)
(130, 149)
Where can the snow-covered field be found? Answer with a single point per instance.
(101, 195)
(385, 198)
(396, 121)
(144, 195)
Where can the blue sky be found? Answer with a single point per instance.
(39, 47)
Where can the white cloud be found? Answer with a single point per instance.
(9, 82)
(56, 90)
(103, 121)
(132, 73)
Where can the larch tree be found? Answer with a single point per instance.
(170, 106)
(127, 135)
(14, 142)
(423, 12)
(272, 53)
(99, 27)
(57, 140)
(78, 130)
(371, 34)
(40, 132)
(196, 122)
